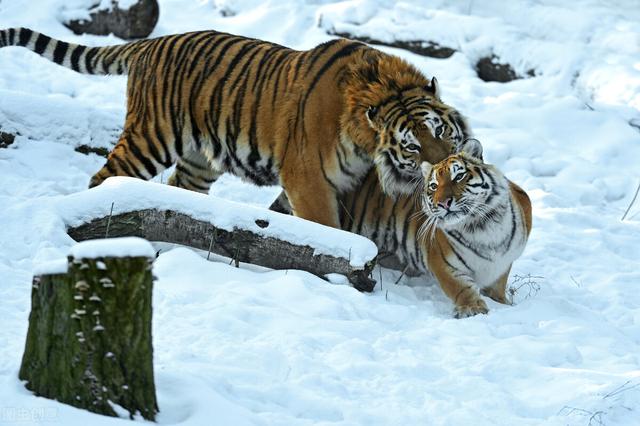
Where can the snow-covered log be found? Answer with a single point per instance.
(244, 233)
(89, 338)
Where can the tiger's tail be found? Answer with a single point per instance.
(82, 59)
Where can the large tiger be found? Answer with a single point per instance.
(312, 121)
(466, 227)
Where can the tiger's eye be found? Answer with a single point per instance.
(413, 147)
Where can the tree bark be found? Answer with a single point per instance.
(239, 244)
(89, 337)
(419, 47)
(138, 21)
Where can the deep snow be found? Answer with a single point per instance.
(249, 346)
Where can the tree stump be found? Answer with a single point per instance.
(89, 338)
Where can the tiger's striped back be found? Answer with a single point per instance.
(312, 121)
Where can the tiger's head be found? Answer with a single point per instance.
(461, 188)
(409, 122)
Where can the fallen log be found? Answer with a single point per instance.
(241, 232)
(419, 47)
(89, 337)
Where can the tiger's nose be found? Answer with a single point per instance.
(446, 204)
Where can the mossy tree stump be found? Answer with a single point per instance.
(89, 338)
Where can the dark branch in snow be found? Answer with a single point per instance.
(419, 47)
(6, 139)
(633, 201)
(241, 245)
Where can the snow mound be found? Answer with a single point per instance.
(113, 247)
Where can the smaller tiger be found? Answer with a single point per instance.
(471, 225)
(477, 224)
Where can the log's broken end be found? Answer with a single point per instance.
(361, 279)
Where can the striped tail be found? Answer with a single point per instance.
(83, 59)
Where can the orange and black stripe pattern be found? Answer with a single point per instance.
(312, 121)
(83, 59)
(390, 222)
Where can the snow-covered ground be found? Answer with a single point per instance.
(249, 346)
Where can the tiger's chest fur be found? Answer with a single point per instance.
(484, 249)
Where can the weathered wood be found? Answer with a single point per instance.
(419, 47)
(86, 149)
(137, 21)
(89, 338)
(6, 139)
(490, 68)
(239, 244)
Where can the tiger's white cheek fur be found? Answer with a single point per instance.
(398, 175)
(409, 152)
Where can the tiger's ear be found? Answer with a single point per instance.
(434, 87)
(373, 117)
(426, 169)
(473, 148)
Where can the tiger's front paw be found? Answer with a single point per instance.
(471, 308)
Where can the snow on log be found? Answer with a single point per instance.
(242, 232)
(89, 337)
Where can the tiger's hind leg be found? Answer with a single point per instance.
(136, 156)
(194, 172)
(498, 290)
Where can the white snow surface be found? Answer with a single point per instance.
(126, 194)
(51, 267)
(113, 247)
(255, 347)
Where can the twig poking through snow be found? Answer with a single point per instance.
(213, 237)
(576, 282)
(529, 281)
(620, 389)
(401, 275)
(595, 418)
(106, 233)
(632, 202)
